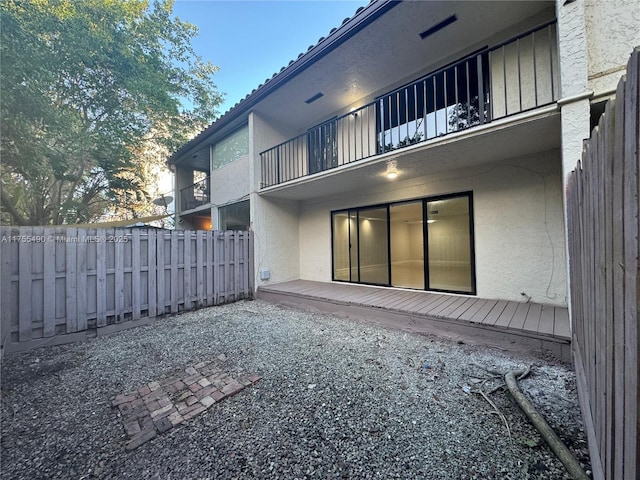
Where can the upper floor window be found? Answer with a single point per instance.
(231, 147)
(235, 216)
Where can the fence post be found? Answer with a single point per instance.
(210, 243)
(152, 284)
(186, 257)
(71, 278)
(136, 291)
(101, 282)
(24, 286)
(49, 279)
(236, 265)
(199, 270)
(81, 282)
(175, 240)
(160, 272)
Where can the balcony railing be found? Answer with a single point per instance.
(195, 195)
(515, 76)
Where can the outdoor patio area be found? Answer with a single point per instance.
(336, 398)
(512, 325)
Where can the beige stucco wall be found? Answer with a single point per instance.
(274, 222)
(231, 182)
(595, 39)
(183, 178)
(519, 234)
(613, 31)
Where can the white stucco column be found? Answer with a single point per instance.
(574, 95)
(574, 85)
(274, 221)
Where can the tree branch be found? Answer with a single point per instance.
(10, 207)
(552, 439)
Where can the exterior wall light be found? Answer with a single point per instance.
(392, 170)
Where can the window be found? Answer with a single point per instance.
(388, 244)
(235, 216)
(231, 147)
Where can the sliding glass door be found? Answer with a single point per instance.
(373, 245)
(360, 246)
(407, 245)
(388, 244)
(450, 244)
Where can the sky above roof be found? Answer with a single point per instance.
(250, 40)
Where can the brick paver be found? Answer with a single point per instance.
(160, 405)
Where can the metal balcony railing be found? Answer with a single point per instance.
(515, 76)
(195, 195)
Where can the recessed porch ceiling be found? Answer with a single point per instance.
(497, 141)
(365, 66)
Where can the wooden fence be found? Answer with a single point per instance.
(59, 282)
(603, 252)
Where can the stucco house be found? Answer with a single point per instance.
(419, 145)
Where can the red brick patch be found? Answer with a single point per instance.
(160, 405)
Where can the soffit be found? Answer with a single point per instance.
(369, 62)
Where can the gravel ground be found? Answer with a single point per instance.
(338, 399)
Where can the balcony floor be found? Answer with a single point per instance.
(513, 326)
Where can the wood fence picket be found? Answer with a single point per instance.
(57, 282)
(602, 207)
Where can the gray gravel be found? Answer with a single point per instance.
(338, 399)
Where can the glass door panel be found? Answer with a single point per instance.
(353, 245)
(407, 245)
(373, 245)
(449, 244)
(341, 265)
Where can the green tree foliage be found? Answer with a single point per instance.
(85, 85)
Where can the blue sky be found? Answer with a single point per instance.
(250, 40)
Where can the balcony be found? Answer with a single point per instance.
(512, 77)
(195, 196)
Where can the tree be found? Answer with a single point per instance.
(85, 86)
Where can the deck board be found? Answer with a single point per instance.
(418, 299)
(561, 323)
(472, 310)
(444, 306)
(427, 309)
(517, 321)
(367, 295)
(532, 320)
(541, 321)
(422, 301)
(506, 315)
(447, 312)
(458, 312)
(547, 316)
(402, 300)
(493, 314)
(381, 299)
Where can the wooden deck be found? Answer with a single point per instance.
(499, 323)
